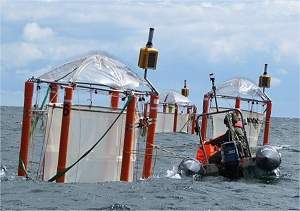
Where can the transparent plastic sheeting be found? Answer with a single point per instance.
(241, 87)
(87, 126)
(165, 122)
(172, 97)
(254, 120)
(96, 69)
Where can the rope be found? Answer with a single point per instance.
(37, 117)
(59, 174)
(155, 158)
(158, 156)
(43, 151)
(164, 150)
(189, 119)
(22, 166)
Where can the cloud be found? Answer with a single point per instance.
(275, 81)
(20, 54)
(282, 71)
(214, 31)
(33, 32)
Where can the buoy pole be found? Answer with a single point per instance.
(147, 168)
(64, 133)
(26, 126)
(194, 119)
(128, 139)
(175, 118)
(115, 98)
(53, 93)
(267, 123)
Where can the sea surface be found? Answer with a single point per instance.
(163, 191)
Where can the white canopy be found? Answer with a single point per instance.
(241, 87)
(97, 70)
(172, 97)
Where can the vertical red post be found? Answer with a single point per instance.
(175, 118)
(194, 119)
(147, 168)
(128, 138)
(204, 125)
(204, 117)
(53, 93)
(188, 112)
(26, 126)
(267, 123)
(145, 110)
(238, 102)
(115, 98)
(64, 133)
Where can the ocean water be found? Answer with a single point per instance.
(161, 191)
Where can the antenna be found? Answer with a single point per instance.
(212, 79)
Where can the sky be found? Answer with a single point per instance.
(194, 38)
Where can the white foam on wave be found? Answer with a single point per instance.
(173, 173)
(280, 147)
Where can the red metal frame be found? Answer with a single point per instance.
(147, 168)
(128, 139)
(26, 127)
(64, 134)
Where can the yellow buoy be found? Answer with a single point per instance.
(148, 55)
(265, 79)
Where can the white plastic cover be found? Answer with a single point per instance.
(172, 97)
(254, 121)
(241, 87)
(87, 126)
(164, 122)
(96, 69)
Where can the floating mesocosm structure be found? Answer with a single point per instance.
(95, 142)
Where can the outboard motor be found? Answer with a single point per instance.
(230, 160)
(267, 158)
(190, 167)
